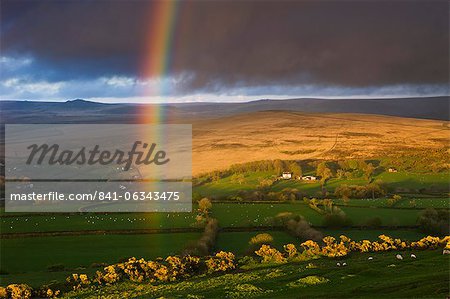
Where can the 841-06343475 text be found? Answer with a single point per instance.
(98, 196)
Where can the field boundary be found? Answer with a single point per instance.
(180, 230)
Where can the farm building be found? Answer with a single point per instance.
(286, 175)
(309, 178)
(392, 169)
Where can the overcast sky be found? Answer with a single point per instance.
(225, 51)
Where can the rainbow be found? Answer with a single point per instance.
(161, 37)
(159, 51)
(159, 46)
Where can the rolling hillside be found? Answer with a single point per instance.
(222, 142)
(226, 134)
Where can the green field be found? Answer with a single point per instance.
(228, 214)
(38, 253)
(383, 277)
(32, 256)
(34, 253)
(409, 202)
(33, 242)
(400, 182)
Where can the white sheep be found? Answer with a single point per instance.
(344, 264)
(399, 256)
(413, 255)
(338, 264)
(370, 258)
(446, 251)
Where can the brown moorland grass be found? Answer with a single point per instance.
(221, 142)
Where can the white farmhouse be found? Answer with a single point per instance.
(286, 175)
(309, 178)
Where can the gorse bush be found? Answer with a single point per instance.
(23, 291)
(259, 239)
(78, 281)
(333, 248)
(221, 262)
(291, 250)
(330, 247)
(170, 269)
(270, 255)
(307, 281)
(175, 268)
(185, 266)
(393, 200)
(19, 291)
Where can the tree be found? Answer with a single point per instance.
(204, 205)
(215, 177)
(369, 170)
(343, 191)
(278, 165)
(324, 172)
(265, 183)
(432, 221)
(238, 178)
(296, 169)
(375, 189)
(282, 196)
(327, 204)
(392, 201)
(361, 164)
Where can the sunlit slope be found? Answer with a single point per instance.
(219, 143)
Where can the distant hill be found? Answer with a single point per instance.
(87, 111)
(427, 108)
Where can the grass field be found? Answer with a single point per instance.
(383, 277)
(409, 201)
(34, 255)
(399, 182)
(38, 253)
(72, 252)
(228, 214)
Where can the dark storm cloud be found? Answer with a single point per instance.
(76, 38)
(239, 43)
